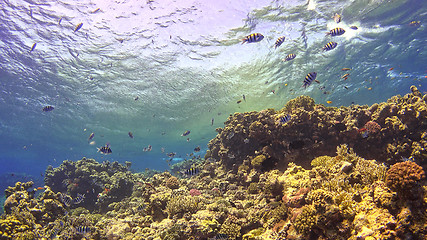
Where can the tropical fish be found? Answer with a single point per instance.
(96, 10)
(346, 69)
(337, 18)
(192, 171)
(185, 133)
(354, 27)
(79, 198)
(330, 46)
(83, 229)
(336, 32)
(345, 75)
(246, 140)
(415, 23)
(279, 41)
(48, 108)
(239, 101)
(91, 136)
(285, 119)
(78, 27)
(289, 57)
(244, 97)
(197, 149)
(212, 121)
(328, 102)
(171, 154)
(65, 199)
(254, 37)
(364, 132)
(147, 149)
(136, 98)
(130, 134)
(309, 78)
(59, 21)
(105, 149)
(33, 47)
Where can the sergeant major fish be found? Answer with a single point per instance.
(279, 41)
(185, 133)
(78, 27)
(33, 47)
(254, 37)
(336, 32)
(330, 46)
(48, 108)
(289, 57)
(309, 78)
(105, 149)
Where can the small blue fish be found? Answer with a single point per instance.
(279, 41)
(78, 27)
(83, 229)
(336, 32)
(254, 37)
(285, 119)
(185, 133)
(48, 108)
(309, 78)
(354, 27)
(330, 46)
(79, 198)
(289, 57)
(33, 47)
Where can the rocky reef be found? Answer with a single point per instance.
(328, 173)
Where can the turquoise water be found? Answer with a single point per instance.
(184, 61)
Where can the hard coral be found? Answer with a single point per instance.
(172, 182)
(372, 127)
(404, 175)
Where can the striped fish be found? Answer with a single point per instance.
(289, 57)
(83, 229)
(65, 199)
(330, 46)
(79, 198)
(80, 25)
(309, 78)
(254, 37)
(192, 171)
(285, 119)
(48, 108)
(33, 47)
(279, 41)
(336, 32)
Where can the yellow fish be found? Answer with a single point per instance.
(78, 27)
(346, 69)
(328, 102)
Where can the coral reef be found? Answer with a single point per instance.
(313, 177)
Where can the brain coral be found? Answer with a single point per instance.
(404, 175)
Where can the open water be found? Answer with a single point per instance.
(185, 63)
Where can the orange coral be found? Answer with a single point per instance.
(404, 175)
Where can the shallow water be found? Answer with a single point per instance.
(184, 61)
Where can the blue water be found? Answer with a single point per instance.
(184, 61)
